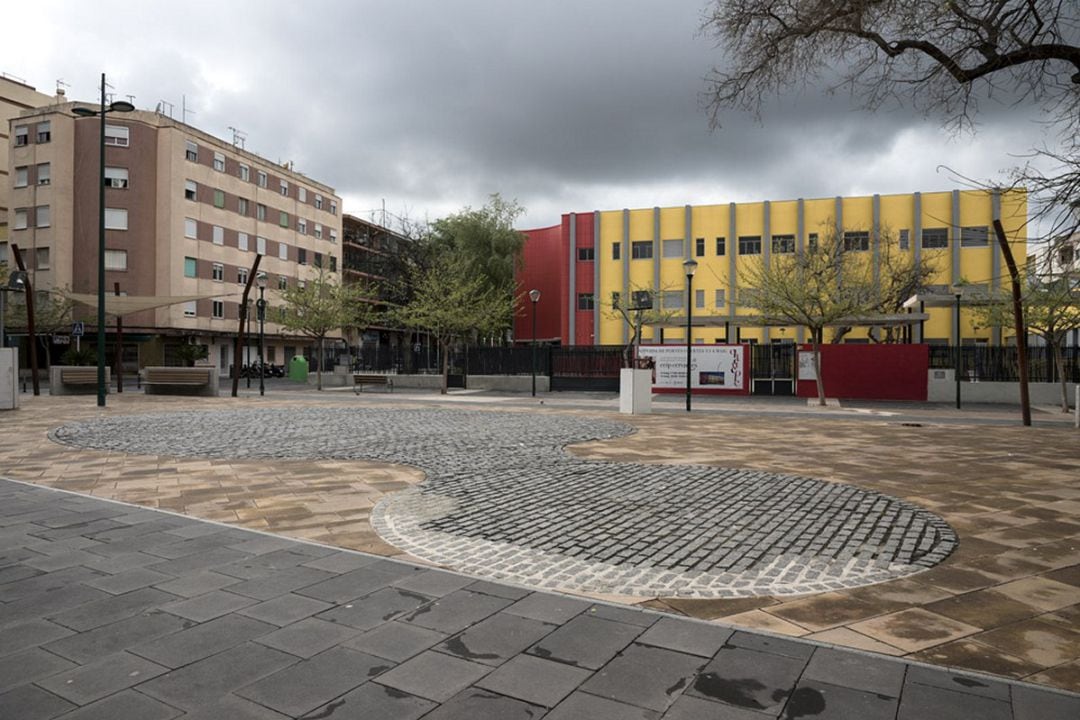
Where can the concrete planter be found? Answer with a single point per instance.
(635, 391)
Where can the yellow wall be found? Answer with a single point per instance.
(897, 212)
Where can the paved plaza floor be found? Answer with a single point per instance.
(947, 537)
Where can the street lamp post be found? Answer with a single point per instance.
(534, 296)
(117, 106)
(260, 280)
(689, 266)
(247, 312)
(958, 358)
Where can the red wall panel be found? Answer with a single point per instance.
(871, 372)
(544, 269)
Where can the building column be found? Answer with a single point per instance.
(995, 258)
(800, 244)
(766, 252)
(625, 255)
(571, 335)
(732, 246)
(597, 260)
(955, 232)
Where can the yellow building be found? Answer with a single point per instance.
(619, 251)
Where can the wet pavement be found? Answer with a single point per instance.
(110, 610)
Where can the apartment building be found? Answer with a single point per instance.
(580, 263)
(186, 214)
(15, 96)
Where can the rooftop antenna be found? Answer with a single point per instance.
(184, 109)
(60, 85)
(165, 108)
(131, 99)
(238, 137)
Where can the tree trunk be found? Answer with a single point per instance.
(815, 343)
(318, 367)
(445, 367)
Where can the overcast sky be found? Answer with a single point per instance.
(431, 105)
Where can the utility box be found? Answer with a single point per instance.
(298, 368)
(9, 378)
(635, 391)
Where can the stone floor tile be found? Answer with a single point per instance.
(548, 608)
(857, 671)
(586, 642)
(126, 705)
(712, 609)
(433, 583)
(201, 641)
(826, 610)
(84, 647)
(349, 586)
(583, 705)
(396, 641)
(28, 666)
(1069, 575)
(1036, 641)
(308, 637)
(914, 629)
(534, 680)
(692, 708)
(204, 681)
(1030, 703)
(32, 633)
(108, 610)
(477, 704)
(29, 702)
(920, 702)
(510, 592)
(1040, 592)
(231, 707)
(846, 637)
(280, 582)
(372, 701)
(762, 620)
(197, 583)
(813, 698)
(983, 608)
(748, 679)
(340, 562)
(433, 675)
(208, 606)
(129, 580)
(693, 638)
(771, 644)
(972, 655)
(300, 688)
(982, 686)
(285, 609)
(456, 611)
(110, 674)
(374, 609)
(645, 676)
(495, 640)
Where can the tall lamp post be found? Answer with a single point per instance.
(534, 296)
(16, 283)
(690, 267)
(117, 106)
(260, 307)
(958, 356)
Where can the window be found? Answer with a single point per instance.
(191, 188)
(641, 249)
(615, 296)
(244, 172)
(318, 231)
(242, 276)
(116, 219)
(301, 256)
(318, 260)
(242, 241)
(333, 264)
(22, 218)
(283, 219)
(262, 178)
(783, 244)
(191, 228)
(42, 216)
(333, 207)
(318, 202)
(44, 174)
(977, 236)
(22, 135)
(301, 226)
(585, 254)
(44, 132)
(673, 248)
(189, 309)
(811, 242)
(1066, 256)
(285, 188)
(721, 246)
(301, 194)
(333, 236)
(116, 178)
(190, 267)
(282, 283)
(260, 212)
(614, 251)
(191, 151)
(905, 240)
(217, 309)
(856, 241)
(116, 260)
(699, 247)
(260, 245)
(22, 176)
(219, 162)
(935, 238)
(219, 198)
(749, 244)
(217, 272)
(671, 300)
(699, 298)
(41, 258)
(219, 235)
(283, 251)
(585, 301)
(117, 135)
(749, 296)
(242, 206)
(719, 299)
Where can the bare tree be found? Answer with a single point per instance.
(643, 307)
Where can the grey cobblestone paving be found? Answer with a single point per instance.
(504, 500)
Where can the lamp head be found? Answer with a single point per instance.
(17, 280)
(260, 280)
(534, 295)
(121, 106)
(84, 112)
(690, 266)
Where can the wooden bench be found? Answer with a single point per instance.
(360, 380)
(158, 380)
(79, 376)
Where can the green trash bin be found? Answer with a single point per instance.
(298, 368)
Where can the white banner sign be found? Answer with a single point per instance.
(806, 365)
(712, 367)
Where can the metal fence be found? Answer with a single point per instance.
(1001, 363)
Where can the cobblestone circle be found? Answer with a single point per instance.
(503, 499)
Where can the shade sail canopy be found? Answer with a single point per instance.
(121, 305)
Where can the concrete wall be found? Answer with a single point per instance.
(1041, 393)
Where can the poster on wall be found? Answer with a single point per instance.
(712, 367)
(806, 365)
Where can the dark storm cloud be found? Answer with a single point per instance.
(433, 105)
